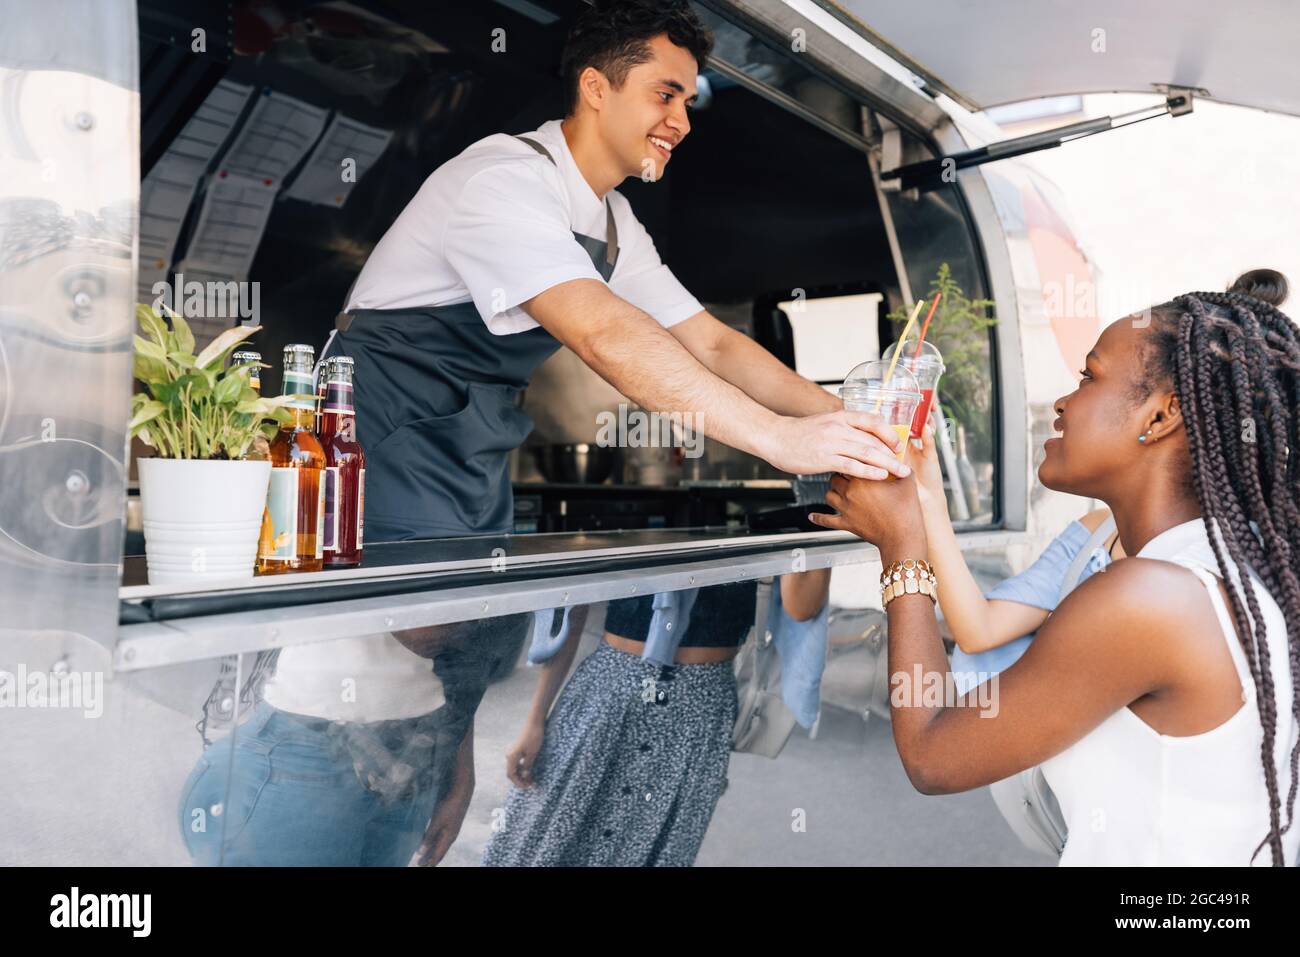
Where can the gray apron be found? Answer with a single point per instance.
(437, 401)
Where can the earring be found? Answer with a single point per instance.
(1143, 438)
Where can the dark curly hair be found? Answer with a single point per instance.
(613, 36)
(1233, 359)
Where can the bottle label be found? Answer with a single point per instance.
(330, 530)
(300, 383)
(320, 516)
(338, 397)
(282, 506)
(361, 504)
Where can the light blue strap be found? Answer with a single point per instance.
(546, 639)
(1086, 560)
(672, 613)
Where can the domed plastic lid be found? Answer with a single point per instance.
(874, 373)
(927, 354)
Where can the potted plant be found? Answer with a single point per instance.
(202, 496)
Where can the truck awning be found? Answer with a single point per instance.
(993, 52)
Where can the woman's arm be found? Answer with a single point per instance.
(977, 623)
(804, 593)
(523, 753)
(1118, 637)
(1113, 641)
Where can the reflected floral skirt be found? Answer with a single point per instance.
(631, 768)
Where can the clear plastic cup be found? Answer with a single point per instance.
(895, 398)
(926, 364)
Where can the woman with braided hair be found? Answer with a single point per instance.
(1160, 697)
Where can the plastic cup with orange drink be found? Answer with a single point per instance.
(895, 397)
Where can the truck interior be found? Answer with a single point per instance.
(770, 201)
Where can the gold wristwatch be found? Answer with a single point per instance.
(908, 577)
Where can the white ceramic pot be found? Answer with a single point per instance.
(201, 518)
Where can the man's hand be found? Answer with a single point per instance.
(449, 815)
(444, 826)
(852, 443)
(887, 514)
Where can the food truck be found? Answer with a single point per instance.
(256, 150)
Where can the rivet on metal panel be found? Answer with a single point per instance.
(130, 654)
(84, 120)
(82, 300)
(566, 598)
(388, 621)
(485, 606)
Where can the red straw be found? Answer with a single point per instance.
(924, 326)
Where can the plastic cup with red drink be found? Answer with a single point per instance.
(926, 365)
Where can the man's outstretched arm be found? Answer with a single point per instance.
(738, 359)
(641, 359)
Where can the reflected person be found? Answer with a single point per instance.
(629, 767)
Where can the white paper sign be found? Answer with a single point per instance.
(274, 138)
(344, 154)
(168, 190)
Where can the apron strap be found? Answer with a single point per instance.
(611, 231)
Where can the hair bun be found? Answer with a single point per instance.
(1266, 285)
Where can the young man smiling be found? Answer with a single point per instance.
(522, 244)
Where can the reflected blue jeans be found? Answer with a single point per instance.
(291, 803)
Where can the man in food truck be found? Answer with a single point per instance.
(511, 249)
(522, 244)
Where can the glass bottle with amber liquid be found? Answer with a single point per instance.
(345, 467)
(295, 499)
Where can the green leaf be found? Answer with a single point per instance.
(227, 390)
(151, 322)
(149, 410)
(150, 350)
(216, 349)
(184, 336)
(197, 383)
(166, 392)
(149, 371)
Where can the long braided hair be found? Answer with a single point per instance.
(1234, 360)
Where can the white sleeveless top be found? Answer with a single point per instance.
(1133, 796)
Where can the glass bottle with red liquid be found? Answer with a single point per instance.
(345, 468)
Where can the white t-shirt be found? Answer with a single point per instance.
(362, 679)
(494, 225)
